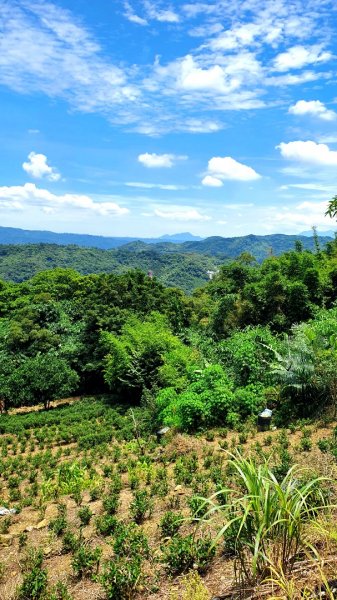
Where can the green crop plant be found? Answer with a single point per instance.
(85, 561)
(265, 518)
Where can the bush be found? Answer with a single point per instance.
(85, 515)
(170, 524)
(86, 561)
(106, 525)
(59, 524)
(111, 503)
(141, 506)
(34, 585)
(121, 577)
(323, 445)
(131, 541)
(70, 542)
(184, 553)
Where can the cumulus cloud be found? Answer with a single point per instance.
(155, 161)
(315, 108)
(223, 168)
(23, 196)
(300, 56)
(308, 152)
(36, 166)
(180, 213)
(211, 181)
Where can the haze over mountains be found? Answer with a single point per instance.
(13, 235)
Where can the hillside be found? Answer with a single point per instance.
(187, 271)
(183, 265)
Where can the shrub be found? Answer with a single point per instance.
(183, 553)
(305, 444)
(34, 583)
(193, 589)
(121, 577)
(323, 445)
(86, 561)
(111, 503)
(84, 515)
(131, 541)
(141, 506)
(70, 542)
(59, 592)
(106, 525)
(59, 524)
(170, 524)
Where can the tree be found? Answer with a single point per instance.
(331, 211)
(41, 379)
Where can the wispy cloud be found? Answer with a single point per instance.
(233, 68)
(153, 186)
(159, 161)
(179, 213)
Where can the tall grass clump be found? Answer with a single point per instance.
(265, 517)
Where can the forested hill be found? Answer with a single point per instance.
(186, 271)
(182, 265)
(259, 246)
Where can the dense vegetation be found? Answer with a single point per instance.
(117, 505)
(213, 358)
(184, 265)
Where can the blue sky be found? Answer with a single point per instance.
(146, 117)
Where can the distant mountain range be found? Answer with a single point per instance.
(13, 235)
(184, 264)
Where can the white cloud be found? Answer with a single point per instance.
(300, 56)
(228, 70)
(308, 152)
(159, 186)
(222, 168)
(161, 15)
(26, 195)
(37, 167)
(131, 15)
(312, 107)
(180, 213)
(154, 161)
(304, 215)
(211, 181)
(39, 40)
